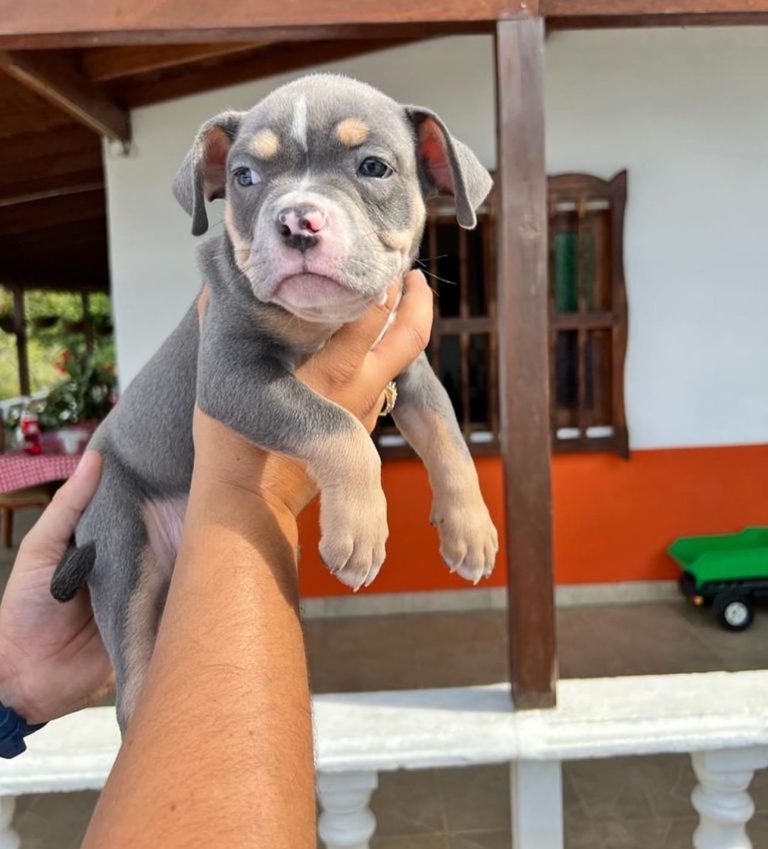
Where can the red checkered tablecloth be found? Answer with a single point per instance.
(19, 471)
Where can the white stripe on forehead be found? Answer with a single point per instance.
(299, 125)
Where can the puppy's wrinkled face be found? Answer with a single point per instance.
(324, 206)
(324, 184)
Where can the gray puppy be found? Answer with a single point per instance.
(324, 184)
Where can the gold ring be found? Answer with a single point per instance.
(390, 398)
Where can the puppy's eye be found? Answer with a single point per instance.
(373, 167)
(245, 177)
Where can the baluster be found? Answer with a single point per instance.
(346, 820)
(537, 805)
(721, 797)
(9, 839)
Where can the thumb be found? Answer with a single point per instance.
(54, 529)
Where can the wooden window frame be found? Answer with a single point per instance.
(581, 191)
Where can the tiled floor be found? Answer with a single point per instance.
(626, 803)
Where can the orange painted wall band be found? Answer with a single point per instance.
(612, 518)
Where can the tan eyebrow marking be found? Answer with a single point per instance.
(264, 144)
(352, 131)
(397, 240)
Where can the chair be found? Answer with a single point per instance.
(19, 500)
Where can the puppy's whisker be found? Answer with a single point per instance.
(437, 277)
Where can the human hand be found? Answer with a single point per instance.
(52, 658)
(347, 372)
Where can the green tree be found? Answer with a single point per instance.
(54, 325)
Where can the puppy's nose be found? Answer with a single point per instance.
(299, 226)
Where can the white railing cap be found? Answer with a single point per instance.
(412, 729)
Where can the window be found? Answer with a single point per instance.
(459, 265)
(588, 313)
(588, 317)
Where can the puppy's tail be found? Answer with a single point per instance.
(72, 571)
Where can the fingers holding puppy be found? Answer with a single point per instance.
(408, 334)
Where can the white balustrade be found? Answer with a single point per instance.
(537, 804)
(720, 718)
(721, 796)
(346, 820)
(8, 837)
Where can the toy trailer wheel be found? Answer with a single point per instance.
(733, 610)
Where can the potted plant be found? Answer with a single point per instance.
(81, 401)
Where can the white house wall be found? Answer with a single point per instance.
(685, 111)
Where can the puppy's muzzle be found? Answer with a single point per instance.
(299, 226)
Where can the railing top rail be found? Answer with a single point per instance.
(411, 729)
(594, 718)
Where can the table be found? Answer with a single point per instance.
(19, 470)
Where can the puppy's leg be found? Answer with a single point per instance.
(140, 631)
(162, 521)
(264, 402)
(134, 553)
(425, 417)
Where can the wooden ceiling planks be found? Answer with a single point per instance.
(57, 79)
(110, 63)
(224, 70)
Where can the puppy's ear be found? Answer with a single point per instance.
(203, 173)
(449, 165)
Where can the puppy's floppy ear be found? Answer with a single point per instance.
(203, 173)
(450, 166)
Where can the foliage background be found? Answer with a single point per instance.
(46, 345)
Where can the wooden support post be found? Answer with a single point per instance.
(523, 358)
(20, 329)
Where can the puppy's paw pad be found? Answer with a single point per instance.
(468, 539)
(352, 543)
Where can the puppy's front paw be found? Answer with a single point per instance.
(353, 534)
(468, 539)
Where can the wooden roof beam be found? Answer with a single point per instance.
(58, 80)
(44, 213)
(85, 23)
(589, 14)
(112, 63)
(47, 194)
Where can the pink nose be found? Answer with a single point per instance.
(301, 221)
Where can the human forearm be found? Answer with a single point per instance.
(220, 746)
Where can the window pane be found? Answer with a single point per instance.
(596, 270)
(567, 370)
(479, 380)
(565, 277)
(440, 257)
(476, 295)
(450, 371)
(582, 260)
(599, 376)
(445, 264)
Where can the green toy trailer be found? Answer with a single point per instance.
(728, 571)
